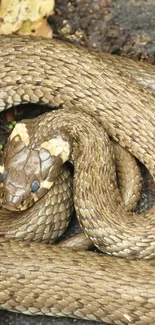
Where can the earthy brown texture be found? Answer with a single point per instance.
(107, 91)
(118, 27)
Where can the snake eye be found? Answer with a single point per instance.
(4, 175)
(35, 186)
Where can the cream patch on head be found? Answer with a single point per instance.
(46, 184)
(1, 169)
(57, 146)
(21, 130)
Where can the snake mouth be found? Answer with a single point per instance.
(10, 207)
(17, 208)
(15, 203)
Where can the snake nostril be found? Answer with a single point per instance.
(22, 202)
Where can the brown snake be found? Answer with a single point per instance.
(116, 93)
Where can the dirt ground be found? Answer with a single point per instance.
(116, 26)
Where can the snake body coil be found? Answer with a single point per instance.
(98, 91)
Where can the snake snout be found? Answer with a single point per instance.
(16, 193)
(15, 198)
(12, 202)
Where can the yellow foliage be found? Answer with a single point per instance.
(25, 17)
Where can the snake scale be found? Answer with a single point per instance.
(100, 93)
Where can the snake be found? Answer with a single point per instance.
(95, 98)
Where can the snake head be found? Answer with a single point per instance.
(30, 169)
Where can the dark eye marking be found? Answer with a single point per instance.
(4, 175)
(35, 186)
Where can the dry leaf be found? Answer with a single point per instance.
(26, 16)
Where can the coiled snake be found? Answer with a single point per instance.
(97, 95)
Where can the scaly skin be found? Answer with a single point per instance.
(38, 279)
